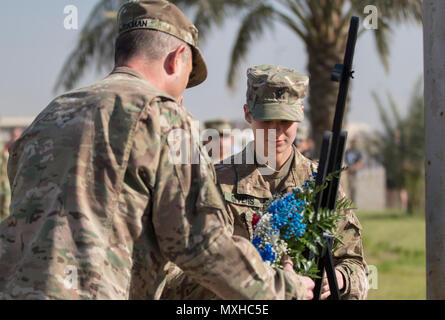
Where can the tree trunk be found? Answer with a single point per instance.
(323, 91)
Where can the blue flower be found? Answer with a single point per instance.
(287, 216)
(257, 242)
(267, 253)
(286, 219)
(309, 182)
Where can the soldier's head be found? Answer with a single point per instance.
(16, 132)
(275, 97)
(157, 39)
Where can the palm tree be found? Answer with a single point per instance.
(400, 147)
(321, 25)
(94, 45)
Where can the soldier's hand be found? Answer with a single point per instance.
(325, 292)
(307, 282)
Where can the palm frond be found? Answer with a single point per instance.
(299, 11)
(253, 25)
(289, 22)
(389, 12)
(210, 13)
(399, 11)
(94, 45)
(401, 147)
(381, 37)
(387, 123)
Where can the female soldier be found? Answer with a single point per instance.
(272, 165)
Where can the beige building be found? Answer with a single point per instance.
(370, 179)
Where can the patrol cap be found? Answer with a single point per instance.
(164, 16)
(218, 124)
(275, 93)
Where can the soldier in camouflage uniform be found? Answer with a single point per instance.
(100, 208)
(274, 101)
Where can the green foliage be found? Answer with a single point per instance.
(318, 23)
(311, 21)
(95, 46)
(400, 147)
(305, 250)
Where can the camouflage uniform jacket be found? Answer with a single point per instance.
(245, 192)
(5, 190)
(99, 209)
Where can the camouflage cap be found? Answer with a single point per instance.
(275, 93)
(166, 17)
(218, 124)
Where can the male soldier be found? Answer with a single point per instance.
(99, 207)
(219, 147)
(5, 189)
(274, 102)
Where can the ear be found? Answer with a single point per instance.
(246, 114)
(173, 62)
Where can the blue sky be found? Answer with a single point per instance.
(35, 45)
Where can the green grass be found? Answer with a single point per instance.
(394, 243)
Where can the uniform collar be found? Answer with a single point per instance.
(136, 74)
(299, 171)
(251, 182)
(129, 71)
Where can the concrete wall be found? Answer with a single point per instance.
(371, 189)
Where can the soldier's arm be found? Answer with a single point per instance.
(189, 223)
(349, 258)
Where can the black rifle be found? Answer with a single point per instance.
(331, 158)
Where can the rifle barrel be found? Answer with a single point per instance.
(340, 106)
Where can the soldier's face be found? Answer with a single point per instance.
(285, 133)
(282, 132)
